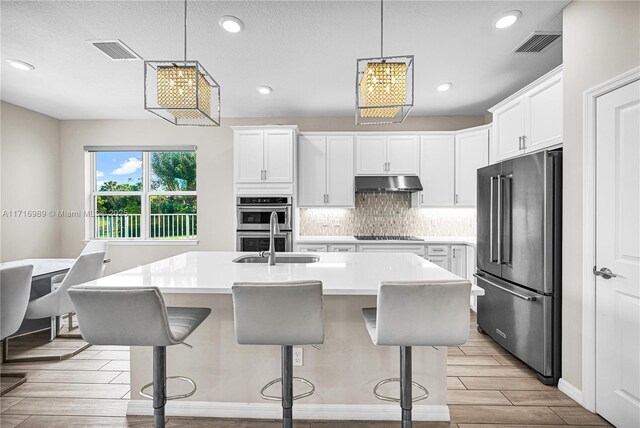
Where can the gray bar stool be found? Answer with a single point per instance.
(422, 313)
(15, 286)
(285, 314)
(137, 316)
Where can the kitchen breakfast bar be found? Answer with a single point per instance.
(344, 369)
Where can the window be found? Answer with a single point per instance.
(142, 194)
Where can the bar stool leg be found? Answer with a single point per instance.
(405, 385)
(287, 386)
(159, 385)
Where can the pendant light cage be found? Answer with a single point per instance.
(384, 89)
(181, 92)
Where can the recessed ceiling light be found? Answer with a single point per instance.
(508, 19)
(20, 65)
(231, 24)
(444, 86)
(265, 90)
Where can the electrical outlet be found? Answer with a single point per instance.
(297, 357)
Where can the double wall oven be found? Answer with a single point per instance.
(254, 213)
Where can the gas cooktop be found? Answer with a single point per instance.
(387, 238)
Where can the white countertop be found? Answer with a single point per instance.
(42, 266)
(209, 272)
(463, 240)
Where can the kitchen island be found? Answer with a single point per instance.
(344, 369)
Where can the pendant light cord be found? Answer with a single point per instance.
(381, 28)
(185, 30)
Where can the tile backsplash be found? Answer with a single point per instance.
(387, 213)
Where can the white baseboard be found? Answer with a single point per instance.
(571, 391)
(353, 412)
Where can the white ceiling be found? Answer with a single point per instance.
(305, 50)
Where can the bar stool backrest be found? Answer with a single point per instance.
(15, 287)
(125, 316)
(283, 313)
(423, 313)
(97, 247)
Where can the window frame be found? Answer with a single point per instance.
(145, 195)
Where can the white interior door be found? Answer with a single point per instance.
(618, 249)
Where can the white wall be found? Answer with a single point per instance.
(30, 177)
(600, 41)
(215, 172)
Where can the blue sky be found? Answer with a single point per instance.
(118, 166)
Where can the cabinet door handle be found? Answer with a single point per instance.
(524, 141)
(422, 198)
(453, 250)
(456, 198)
(262, 174)
(520, 142)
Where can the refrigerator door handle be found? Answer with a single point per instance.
(521, 296)
(491, 259)
(506, 242)
(500, 177)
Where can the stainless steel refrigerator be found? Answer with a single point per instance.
(519, 258)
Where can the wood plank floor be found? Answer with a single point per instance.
(486, 388)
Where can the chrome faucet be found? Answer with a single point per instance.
(274, 228)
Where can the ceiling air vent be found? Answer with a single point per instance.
(538, 41)
(116, 50)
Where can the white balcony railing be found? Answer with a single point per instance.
(167, 226)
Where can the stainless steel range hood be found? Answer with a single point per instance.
(388, 183)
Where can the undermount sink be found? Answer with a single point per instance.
(279, 259)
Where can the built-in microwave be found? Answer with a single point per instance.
(254, 213)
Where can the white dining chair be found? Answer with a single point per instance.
(95, 246)
(91, 247)
(88, 267)
(15, 287)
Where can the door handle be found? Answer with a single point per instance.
(327, 195)
(491, 259)
(524, 141)
(520, 142)
(604, 272)
(521, 296)
(500, 177)
(422, 198)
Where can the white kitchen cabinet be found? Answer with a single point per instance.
(342, 248)
(472, 152)
(325, 171)
(403, 155)
(278, 155)
(508, 129)
(530, 120)
(392, 248)
(543, 115)
(387, 154)
(458, 262)
(437, 166)
(263, 156)
(313, 248)
(443, 262)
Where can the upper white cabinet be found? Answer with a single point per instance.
(325, 165)
(264, 159)
(472, 152)
(448, 167)
(387, 154)
(530, 120)
(437, 163)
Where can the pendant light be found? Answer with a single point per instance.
(384, 86)
(182, 91)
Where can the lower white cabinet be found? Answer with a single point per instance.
(458, 260)
(391, 248)
(342, 248)
(442, 261)
(317, 248)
